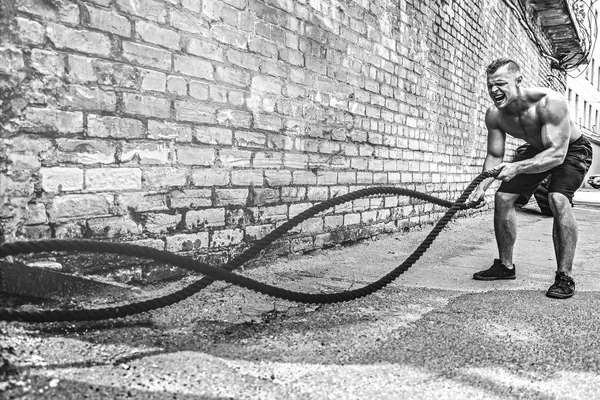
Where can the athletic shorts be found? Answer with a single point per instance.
(566, 178)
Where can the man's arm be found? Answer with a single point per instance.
(556, 134)
(496, 142)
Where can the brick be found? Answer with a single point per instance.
(61, 179)
(146, 105)
(194, 66)
(83, 41)
(227, 237)
(45, 119)
(261, 197)
(258, 232)
(108, 21)
(266, 84)
(201, 219)
(63, 12)
(295, 160)
(145, 153)
(304, 178)
(249, 139)
(113, 179)
(30, 31)
(233, 76)
(36, 214)
(161, 177)
(187, 242)
(161, 223)
(148, 9)
(312, 225)
(85, 151)
(188, 155)
(79, 205)
(204, 49)
(268, 122)
(199, 90)
(142, 202)
(204, 177)
(192, 111)
(235, 118)
(69, 230)
(213, 135)
(114, 127)
(263, 47)
(333, 221)
(229, 36)
(156, 34)
(81, 69)
(246, 177)
(47, 62)
(243, 60)
(193, 5)
(190, 198)
(293, 193)
(318, 193)
(278, 177)
(228, 197)
(157, 244)
(273, 213)
(164, 130)
(268, 160)
(302, 244)
(235, 158)
(177, 85)
(153, 80)
(79, 97)
(351, 219)
(183, 22)
(146, 55)
(113, 227)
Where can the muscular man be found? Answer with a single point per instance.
(540, 117)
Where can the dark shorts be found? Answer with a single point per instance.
(566, 178)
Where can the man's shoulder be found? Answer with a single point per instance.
(549, 102)
(545, 96)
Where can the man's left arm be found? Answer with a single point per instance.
(556, 134)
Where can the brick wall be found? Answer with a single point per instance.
(198, 126)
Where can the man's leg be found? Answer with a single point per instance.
(564, 231)
(505, 226)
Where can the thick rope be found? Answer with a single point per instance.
(224, 273)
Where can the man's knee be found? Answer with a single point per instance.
(505, 200)
(559, 203)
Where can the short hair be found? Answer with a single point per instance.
(501, 62)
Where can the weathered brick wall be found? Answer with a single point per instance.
(198, 126)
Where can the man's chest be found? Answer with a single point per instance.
(525, 126)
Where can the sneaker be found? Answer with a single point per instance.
(563, 287)
(495, 272)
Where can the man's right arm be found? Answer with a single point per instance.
(496, 141)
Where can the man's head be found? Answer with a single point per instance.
(503, 81)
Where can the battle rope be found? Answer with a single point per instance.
(223, 273)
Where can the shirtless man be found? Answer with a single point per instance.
(540, 117)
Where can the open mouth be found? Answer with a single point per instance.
(498, 98)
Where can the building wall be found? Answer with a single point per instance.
(583, 93)
(199, 126)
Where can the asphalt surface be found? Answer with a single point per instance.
(433, 333)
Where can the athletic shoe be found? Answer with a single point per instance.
(563, 287)
(495, 272)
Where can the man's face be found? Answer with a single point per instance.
(503, 86)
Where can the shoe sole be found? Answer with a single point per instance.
(493, 278)
(559, 296)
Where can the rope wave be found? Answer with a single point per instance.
(224, 272)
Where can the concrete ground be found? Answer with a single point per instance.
(433, 333)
